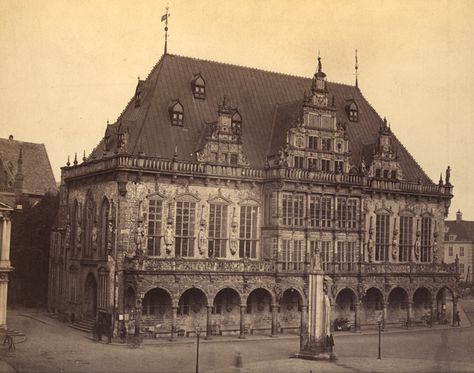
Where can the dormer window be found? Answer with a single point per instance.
(198, 85)
(107, 143)
(177, 114)
(353, 112)
(138, 98)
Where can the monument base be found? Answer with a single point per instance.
(309, 355)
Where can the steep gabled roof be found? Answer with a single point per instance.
(262, 98)
(37, 173)
(464, 230)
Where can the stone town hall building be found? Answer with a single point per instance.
(219, 187)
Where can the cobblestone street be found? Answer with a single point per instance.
(52, 346)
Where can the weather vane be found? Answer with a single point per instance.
(165, 19)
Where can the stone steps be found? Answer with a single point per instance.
(85, 325)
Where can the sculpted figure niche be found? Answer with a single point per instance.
(202, 239)
(371, 245)
(169, 237)
(395, 245)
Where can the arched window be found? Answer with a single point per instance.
(104, 226)
(75, 232)
(154, 231)
(426, 243)
(177, 114)
(248, 231)
(382, 234)
(89, 220)
(217, 240)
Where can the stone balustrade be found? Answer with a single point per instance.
(269, 266)
(142, 163)
(201, 265)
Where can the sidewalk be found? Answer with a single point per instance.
(345, 365)
(46, 319)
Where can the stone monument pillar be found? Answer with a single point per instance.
(313, 340)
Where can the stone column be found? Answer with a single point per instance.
(174, 313)
(304, 326)
(3, 299)
(209, 322)
(409, 313)
(243, 309)
(274, 308)
(5, 242)
(357, 316)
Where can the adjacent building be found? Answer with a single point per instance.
(220, 188)
(459, 245)
(26, 177)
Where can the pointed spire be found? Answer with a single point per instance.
(440, 183)
(84, 156)
(75, 159)
(320, 65)
(356, 69)
(68, 163)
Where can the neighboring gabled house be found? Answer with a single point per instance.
(459, 243)
(27, 185)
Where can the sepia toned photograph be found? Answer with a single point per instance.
(236, 186)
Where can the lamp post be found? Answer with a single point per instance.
(198, 333)
(380, 339)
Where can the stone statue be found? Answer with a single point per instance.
(202, 239)
(110, 233)
(417, 246)
(78, 236)
(448, 175)
(234, 239)
(169, 237)
(140, 239)
(316, 257)
(370, 246)
(435, 250)
(395, 245)
(94, 236)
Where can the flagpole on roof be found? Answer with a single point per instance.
(356, 70)
(165, 18)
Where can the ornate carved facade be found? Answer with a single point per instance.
(210, 200)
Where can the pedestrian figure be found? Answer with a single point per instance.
(238, 360)
(109, 331)
(457, 319)
(99, 331)
(330, 346)
(123, 333)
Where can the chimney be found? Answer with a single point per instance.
(458, 216)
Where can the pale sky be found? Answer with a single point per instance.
(68, 66)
